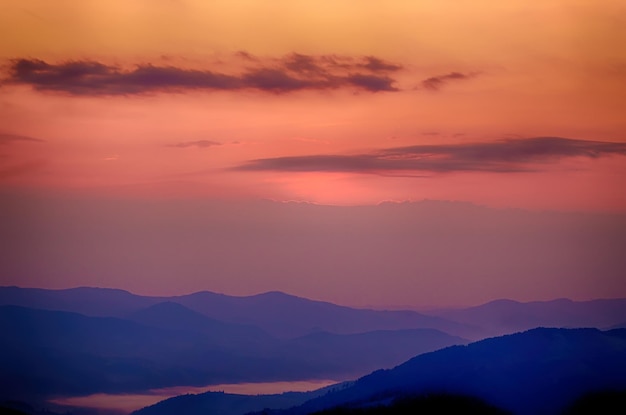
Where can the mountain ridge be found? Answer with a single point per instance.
(277, 313)
(538, 371)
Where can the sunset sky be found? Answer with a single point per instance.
(503, 104)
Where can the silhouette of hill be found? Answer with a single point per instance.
(284, 315)
(125, 342)
(277, 313)
(290, 316)
(346, 351)
(12, 407)
(608, 402)
(56, 352)
(99, 302)
(228, 403)
(431, 404)
(507, 316)
(539, 371)
(174, 316)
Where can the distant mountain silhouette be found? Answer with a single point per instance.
(540, 371)
(607, 402)
(290, 316)
(100, 302)
(431, 404)
(346, 351)
(277, 313)
(228, 403)
(55, 352)
(48, 352)
(507, 316)
(89, 340)
(284, 315)
(174, 316)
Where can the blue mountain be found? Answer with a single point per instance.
(540, 371)
(47, 352)
(507, 316)
(277, 313)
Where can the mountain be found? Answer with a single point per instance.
(433, 404)
(277, 313)
(607, 402)
(365, 351)
(507, 316)
(48, 352)
(230, 404)
(290, 316)
(174, 316)
(99, 302)
(540, 371)
(340, 354)
(54, 352)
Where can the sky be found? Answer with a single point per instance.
(348, 103)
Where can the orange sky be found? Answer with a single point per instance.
(443, 73)
(137, 137)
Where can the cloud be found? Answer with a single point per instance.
(502, 156)
(6, 138)
(375, 64)
(372, 83)
(276, 80)
(435, 83)
(245, 55)
(293, 72)
(198, 143)
(94, 78)
(302, 64)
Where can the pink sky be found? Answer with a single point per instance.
(510, 104)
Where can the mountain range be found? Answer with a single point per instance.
(287, 316)
(90, 340)
(540, 371)
(141, 343)
(535, 372)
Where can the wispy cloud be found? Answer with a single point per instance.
(435, 83)
(503, 156)
(6, 138)
(197, 143)
(293, 72)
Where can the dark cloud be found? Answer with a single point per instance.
(6, 138)
(198, 143)
(375, 64)
(372, 83)
(276, 80)
(303, 64)
(293, 72)
(435, 83)
(509, 155)
(94, 78)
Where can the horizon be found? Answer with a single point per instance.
(420, 308)
(384, 255)
(182, 146)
